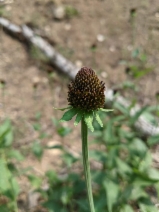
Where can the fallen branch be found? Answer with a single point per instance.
(68, 68)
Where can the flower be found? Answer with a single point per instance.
(87, 91)
(86, 99)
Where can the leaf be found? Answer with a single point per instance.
(54, 147)
(126, 208)
(137, 193)
(68, 115)
(6, 135)
(135, 53)
(15, 154)
(121, 108)
(63, 131)
(153, 140)
(78, 118)
(88, 118)
(98, 119)
(35, 181)
(3, 208)
(52, 176)
(98, 155)
(15, 187)
(106, 110)
(37, 126)
(38, 116)
(65, 108)
(112, 191)
(123, 166)
(37, 149)
(138, 147)
(108, 134)
(138, 114)
(146, 162)
(5, 175)
(153, 174)
(69, 159)
(147, 206)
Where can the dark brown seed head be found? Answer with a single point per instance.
(87, 91)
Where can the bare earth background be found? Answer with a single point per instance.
(100, 36)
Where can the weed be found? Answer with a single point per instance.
(9, 188)
(71, 12)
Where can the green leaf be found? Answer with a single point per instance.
(123, 166)
(98, 119)
(88, 118)
(54, 147)
(108, 134)
(135, 53)
(38, 116)
(153, 174)
(68, 115)
(4, 208)
(69, 159)
(106, 110)
(37, 126)
(137, 193)
(65, 108)
(5, 176)
(153, 140)
(63, 131)
(37, 149)
(138, 114)
(146, 162)
(121, 108)
(78, 118)
(139, 72)
(112, 191)
(15, 187)
(126, 208)
(15, 154)
(35, 181)
(98, 155)
(138, 147)
(6, 135)
(147, 206)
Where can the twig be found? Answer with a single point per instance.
(68, 68)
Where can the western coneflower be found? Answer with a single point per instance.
(86, 98)
(86, 92)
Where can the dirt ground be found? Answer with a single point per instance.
(101, 34)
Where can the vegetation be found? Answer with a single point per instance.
(124, 181)
(123, 175)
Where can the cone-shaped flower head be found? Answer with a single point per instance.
(87, 91)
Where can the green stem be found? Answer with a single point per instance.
(85, 153)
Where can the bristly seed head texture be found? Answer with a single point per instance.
(87, 91)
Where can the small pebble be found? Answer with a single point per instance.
(45, 80)
(47, 29)
(157, 15)
(129, 48)
(67, 27)
(36, 81)
(100, 38)
(8, 8)
(33, 199)
(112, 48)
(104, 74)
(78, 63)
(59, 12)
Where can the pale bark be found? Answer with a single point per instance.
(68, 68)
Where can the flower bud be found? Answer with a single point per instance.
(87, 91)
